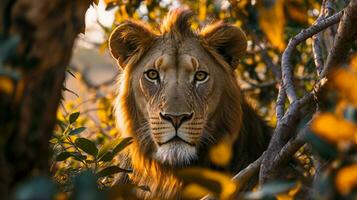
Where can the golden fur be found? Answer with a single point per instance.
(219, 108)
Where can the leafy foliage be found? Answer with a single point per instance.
(75, 155)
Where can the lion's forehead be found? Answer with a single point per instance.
(184, 62)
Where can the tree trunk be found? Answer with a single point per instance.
(31, 81)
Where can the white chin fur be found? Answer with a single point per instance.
(176, 153)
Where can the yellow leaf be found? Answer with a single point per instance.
(6, 85)
(346, 179)
(353, 64)
(110, 1)
(345, 81)
(221, 153)
(123, 11)
(202, 10)
(272, 22)
(152, 14)
(194, 191)
(333, 128)
(215, 182)
(61, 196)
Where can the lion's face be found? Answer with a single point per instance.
(176, 83)
(175, 90)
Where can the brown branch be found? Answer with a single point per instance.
(286, 123)
(316, 40)
(291, 147)
(346, 34)
(280, 103)
(247, 173)
(243, 176)
(286, 66)
(317, 46)
(283, 132)
(317, 52)
(281, 145)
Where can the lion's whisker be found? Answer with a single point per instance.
(160, 128)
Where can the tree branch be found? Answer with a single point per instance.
(282, 133)
(280, 103)
(243, 176)
(346, 34)
(286, 66)
(291, 147)
(326, 11)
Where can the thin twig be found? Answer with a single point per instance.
(316, 43)
(243, 176)
(317, 46)
(292, 146)
(346, 34)
(285, 130)
(280, 103)
(247, 173)
(286, 66)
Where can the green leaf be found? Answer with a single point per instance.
(123, 143)
(77, 131)
(111, 148)
(63, 156)
(73, 117)
(104, 149)
(78, 156)
(87, 146)
(107, 157)
(111, 170)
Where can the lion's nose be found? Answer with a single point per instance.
(176, 120)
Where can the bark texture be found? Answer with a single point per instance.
(47, 30)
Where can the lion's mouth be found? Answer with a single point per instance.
(176, 139)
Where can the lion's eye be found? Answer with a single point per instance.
(201, 76)
(152, 74)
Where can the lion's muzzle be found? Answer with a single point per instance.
(176, 120)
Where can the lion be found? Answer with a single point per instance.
(178, 96)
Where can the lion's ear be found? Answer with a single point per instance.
(128, 39)
(229, 41)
